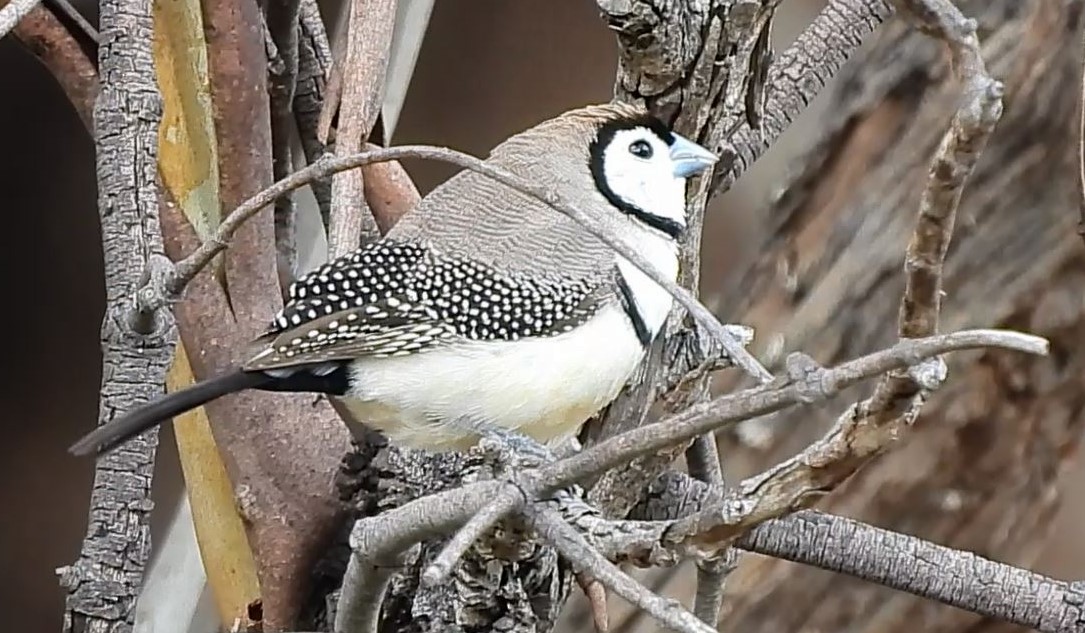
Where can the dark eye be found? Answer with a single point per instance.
(640, 149)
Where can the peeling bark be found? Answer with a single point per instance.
(137, 349)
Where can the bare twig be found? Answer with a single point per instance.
(800, 73)
(898, 396)
(807, 383)
(596, 595)
(377, 541)
(314, 64)
(74, 15)
(584, 558)
(13, 12)
(187, 268)
(46, 37)
(369, 42)
(365, 580)
(1081, 146)
(283, 27)
(439, 513)
(843, 545)
(703, 461)
(960, 579)
(953, 164)
(508, 498)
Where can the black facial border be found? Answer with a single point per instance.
(602, 139)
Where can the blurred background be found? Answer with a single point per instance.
(487, 68)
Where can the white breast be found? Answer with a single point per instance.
(653, 301)
(543, 388)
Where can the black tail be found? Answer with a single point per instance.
(112, 434)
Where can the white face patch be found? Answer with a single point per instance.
(638, 169)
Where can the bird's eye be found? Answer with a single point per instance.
(640, 149)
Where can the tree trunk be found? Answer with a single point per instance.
(979, 471)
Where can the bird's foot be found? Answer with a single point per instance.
(509, 448)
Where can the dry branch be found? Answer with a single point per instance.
(46, 37)
(137, 347)
(368, 45)
(800, 73)
(283, 27)
(873, 554)
(388, 534)
(703, 463)
(961, 579)
(12, 12)
(314, 65)
(585, 559)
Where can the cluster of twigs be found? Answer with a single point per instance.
(544, 497)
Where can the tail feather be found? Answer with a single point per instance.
(116, 432)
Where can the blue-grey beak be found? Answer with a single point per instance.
(690, 158)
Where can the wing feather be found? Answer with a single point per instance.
(394, 299)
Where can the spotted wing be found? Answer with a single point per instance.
(394, 299)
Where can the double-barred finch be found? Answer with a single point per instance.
(483, 307)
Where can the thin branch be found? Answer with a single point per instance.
(440, 513)
(369, 44)
(799, 74)
(75, 16)
(1081, 146)
(954, 577)
(53, 44)
(953, 163)
(899, 395)
(314, 64)
(191, 265)
(14, 11)
(584, 558)
(379, 540)
(283, 27)
(806, 383)
(508, 498)
(703, 462)
(366, 579)
(846, 546)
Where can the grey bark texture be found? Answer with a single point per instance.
(137, 345)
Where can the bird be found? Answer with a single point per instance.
(483, 307)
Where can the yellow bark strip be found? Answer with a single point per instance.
(224, 548)
(188, 163)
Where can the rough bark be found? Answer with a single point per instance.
(137, 348)
(979, 471)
